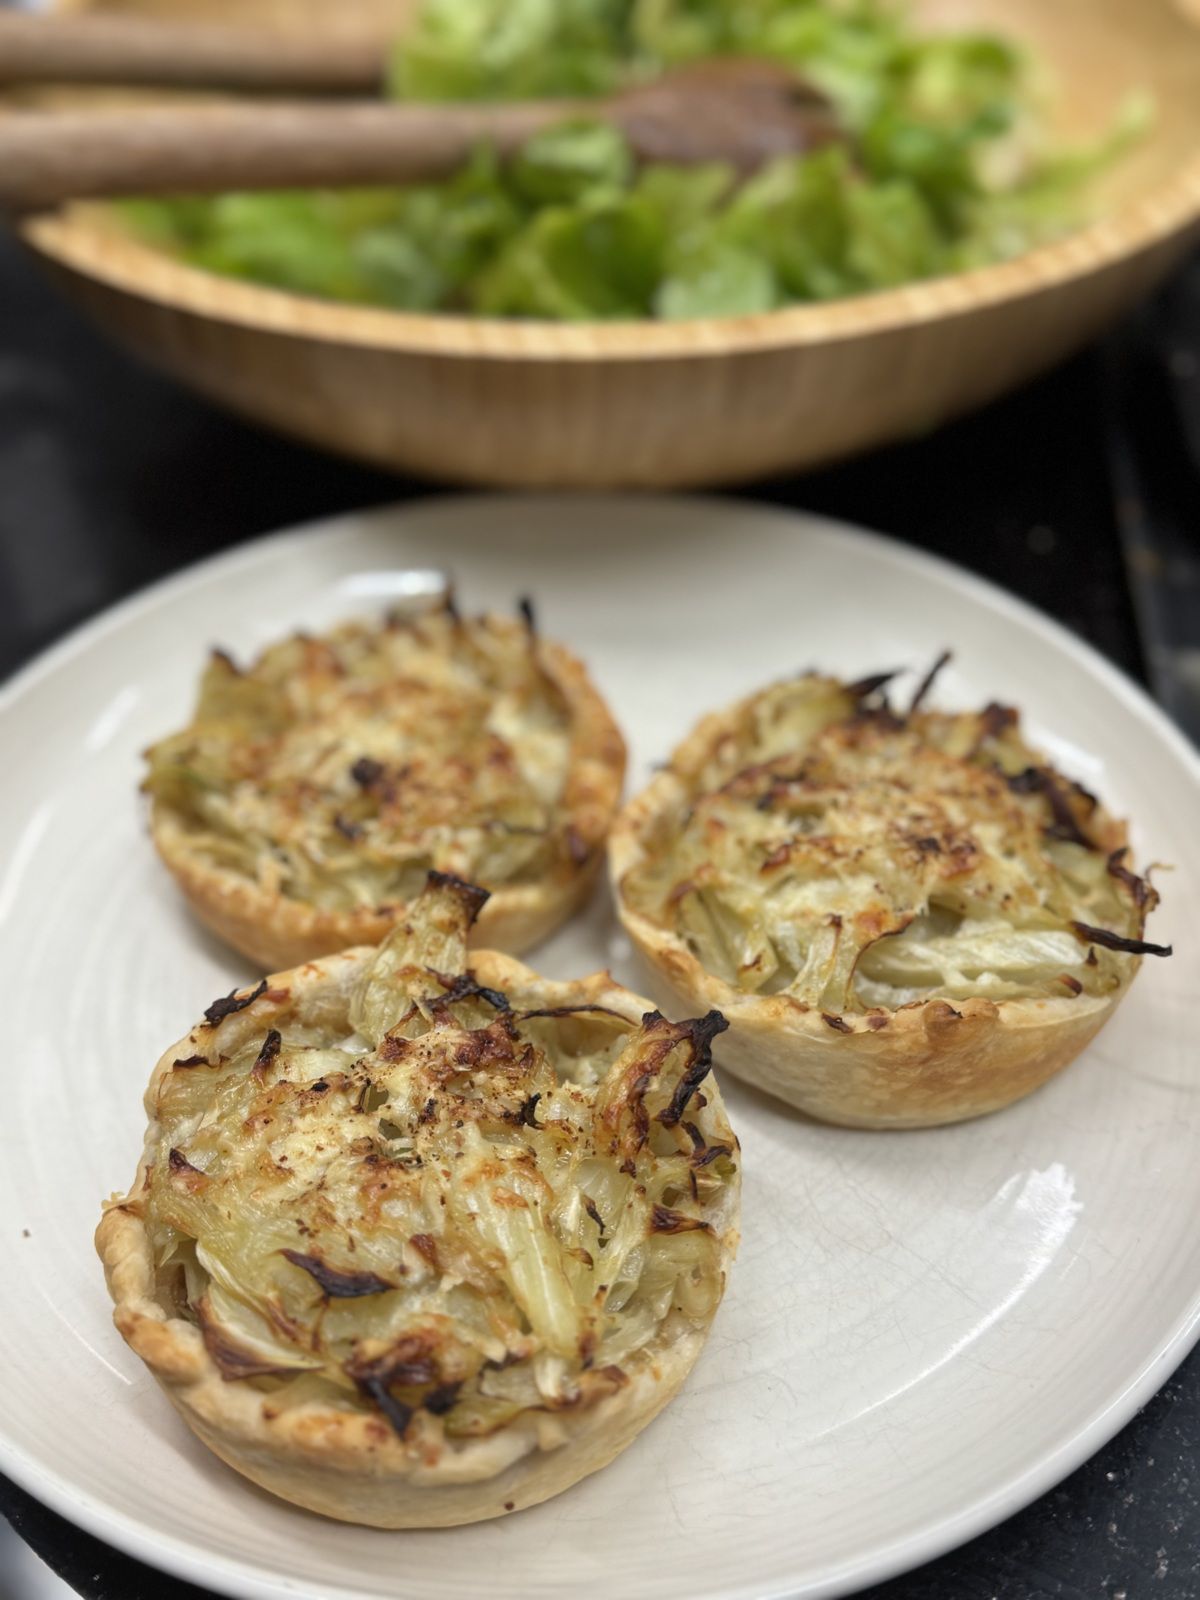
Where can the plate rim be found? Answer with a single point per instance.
(232, 1578)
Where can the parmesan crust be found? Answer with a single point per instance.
(301, 808)
(908, 918)
(412, 1243)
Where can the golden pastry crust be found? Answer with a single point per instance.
(304, 803)
(401, 1372)
(908, 919)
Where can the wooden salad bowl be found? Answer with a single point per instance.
(671, 404)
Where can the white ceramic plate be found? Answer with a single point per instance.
(924, 1330)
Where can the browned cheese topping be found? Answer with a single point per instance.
(340, 770)
(831, 849)
(418, 1196)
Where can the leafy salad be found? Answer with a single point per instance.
(943, 168)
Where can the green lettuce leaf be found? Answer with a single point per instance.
(602, 260)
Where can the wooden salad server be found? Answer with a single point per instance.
(744, 112)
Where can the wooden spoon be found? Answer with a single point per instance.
(744, 112)
(113, 49)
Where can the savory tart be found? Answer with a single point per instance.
(414, 1243)
(908, 917)
(312, 791)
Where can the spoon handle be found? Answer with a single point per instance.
(47, 157)
(139, 50)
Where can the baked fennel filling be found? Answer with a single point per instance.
(851, 857)
(339, 770)
(437, 1202)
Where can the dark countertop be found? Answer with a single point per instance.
(111, 477)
